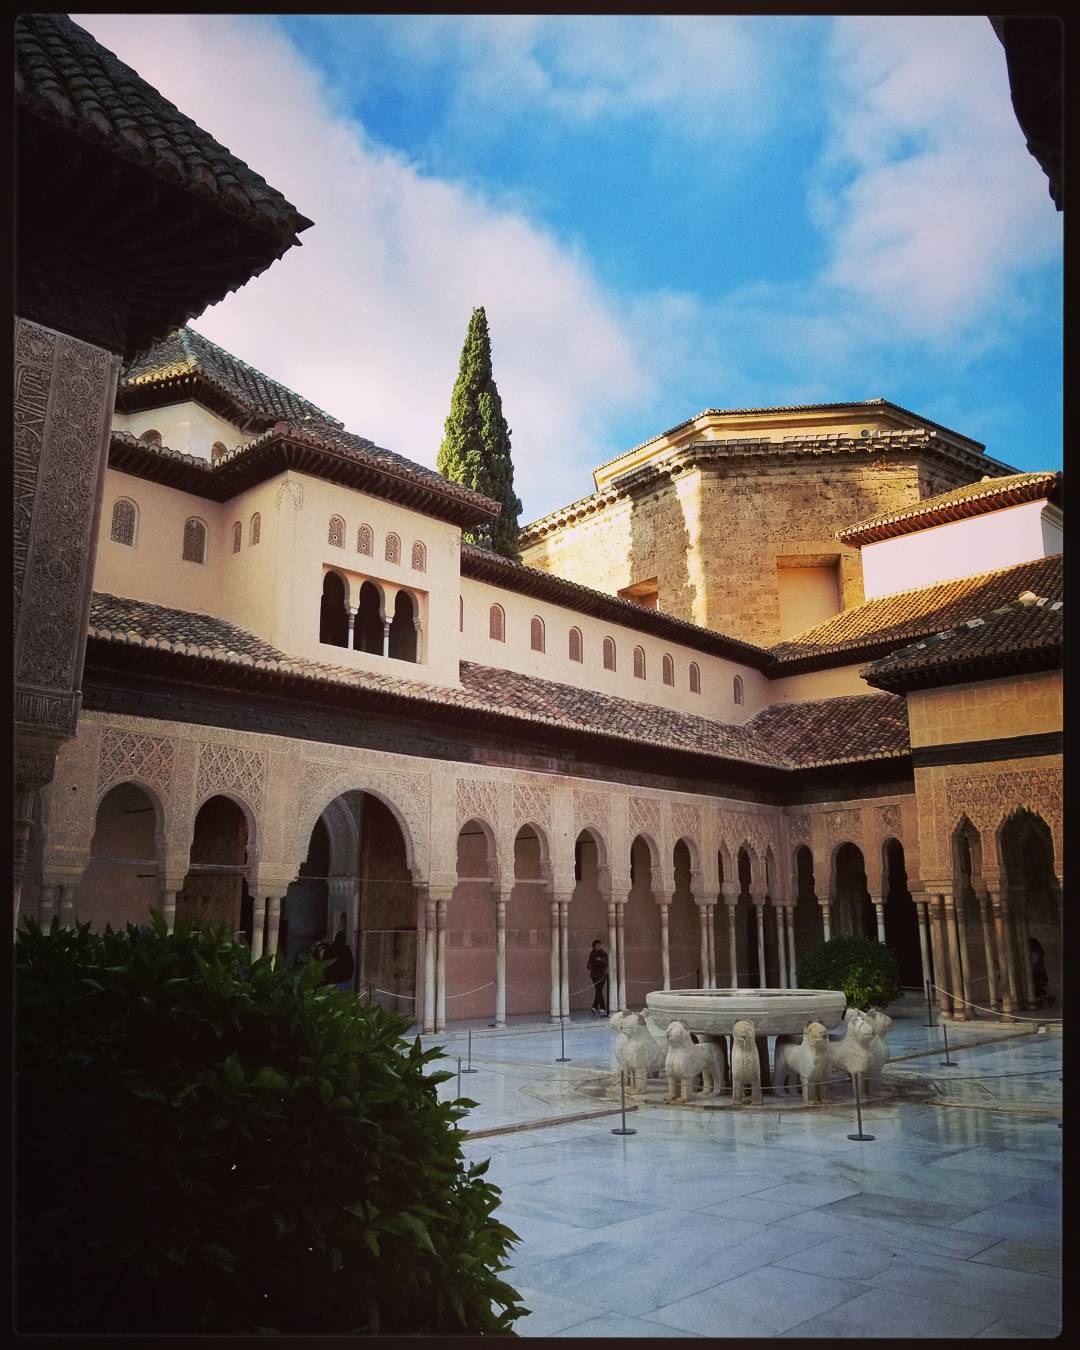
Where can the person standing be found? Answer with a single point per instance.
(598, 973)
(340, 971)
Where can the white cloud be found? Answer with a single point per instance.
(368, 317)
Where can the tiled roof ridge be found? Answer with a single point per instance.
(1026, 601)
(189, 340)
(56, 64)
(634, 613)
(784, 408)
(968, 495)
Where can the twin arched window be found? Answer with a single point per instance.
(639, 663)
(497, 624)
(125, 515)
(194, 540)
(575, 644)
(695, 678)
(237, 536)
(609, 653)
(336, 533)
(419, 557)
(256, 528)
(668, 670)
(392, 552)
(365, 540)
(536, 634)
(736, 688)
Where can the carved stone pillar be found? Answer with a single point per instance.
(987, 925)
(793, 973)
(564, 955)
(939, 952)
(430, 958)
(440, 962)
(759, 915)
(350, 610)
(620, 928)
(956, 983)
(168, 909)
(1018, 904)
(967, 985)
(731, 904)
(665, 954)
(50, 901)
(924, 940)
(825, 926)
(1009, 994)
(258, 925)
(273, 922)
(703, 955)
(555, 999)
(711, 912)
(33, 769)
(879, 910)
(614, 1001)
(500, 957)
(386, 637)
(778, 915)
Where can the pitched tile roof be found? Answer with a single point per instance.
(890, 621)
(1024, 635)
(185, 353)
(973, 499)
(484, 565)
(832, 731)
(66, 77)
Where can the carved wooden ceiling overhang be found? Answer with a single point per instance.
(337, 457)
(131, 219)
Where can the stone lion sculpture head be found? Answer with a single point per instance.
(743, 1032)
(677, 1033)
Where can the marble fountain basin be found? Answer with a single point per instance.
(774, 1012)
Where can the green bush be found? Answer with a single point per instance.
(208, 1144)
(863, 968)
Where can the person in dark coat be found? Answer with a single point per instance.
(340, 970)
(598, 973)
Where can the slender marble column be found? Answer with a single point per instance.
(967, 985)
(351, 611)
(614, 1002)
(430, 955)
(555, 1000)
(258, 925)
(956, 982)
(778, 914)
(665, 955)
(168, 909)
(792, 969)
(386, 637)
(940, 953)
(564, 957)
(500, 961)
(733, 944)
(703, 952)
(620, 928)
(50, 899)
(273, 919)
(1023, 943)
(879, 910)
(712, 946)
(440, 965)
(924, 941)
(825, 920)
(986, 923)
(1009, 995)
(759, 914)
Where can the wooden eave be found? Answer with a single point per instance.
(274, 454)
(192, 386)
(912, 521)
(962, 670)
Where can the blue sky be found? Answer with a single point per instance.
(660, 214)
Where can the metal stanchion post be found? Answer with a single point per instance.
(563, 1056)
(622, 1104)
(858, 1111)
(946, 1062)
(929, 1006)
(459, 1076)
(469, 1068)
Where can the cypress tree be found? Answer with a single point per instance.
(475, 450)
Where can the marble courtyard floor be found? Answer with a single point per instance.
(769, 1221)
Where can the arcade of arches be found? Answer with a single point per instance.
(470, 892)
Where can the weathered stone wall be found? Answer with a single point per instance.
(714, 536)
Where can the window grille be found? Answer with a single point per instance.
(609, 653)
(336, 533)
(393, 549)
(639, 663)
(256, 527)
(365, 540)
(124, 515)
(575, 644)
(419, 557)
(194, 541)
(497, 624)
(536, 634)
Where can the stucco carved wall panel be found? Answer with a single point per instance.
(645, 817)
(800, 829)
(477, 798)
(888, 820)
(591, 808)
(129, 754)
(843, 826)
(229, 767)
(531, 803)
(686, 821)
(986, 799)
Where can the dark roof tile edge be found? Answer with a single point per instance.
(996, 494)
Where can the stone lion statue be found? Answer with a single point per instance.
(683, 1063)
(807, 1060)
(745, 1064)
(636, 1052)
(853, 1054)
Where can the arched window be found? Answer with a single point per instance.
(125, 515)
(536, 634)
(392, 552)
(194, 541)
(403, 634)
(609, 653)
(333, 614)
(668, 669)
(256, 528)
(419, 557)
(217, 450)
(695, 678)
(639, 663)
(335, 535)
(736, 688)
(496, 624)
(368, 623)
(237, 536)
(150, 437)
(365, 540)
(575, 644)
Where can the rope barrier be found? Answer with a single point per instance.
(390, 994)
(465, 993)
(1044, 1021)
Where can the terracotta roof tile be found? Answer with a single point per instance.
(65, 76)
(784, 737)
(1024, 634)
(879, 625)
(973, 499)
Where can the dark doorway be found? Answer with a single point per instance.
(333, 615)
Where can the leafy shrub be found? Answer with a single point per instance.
(208, 1144)
(863, 968)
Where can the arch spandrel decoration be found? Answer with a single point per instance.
(989, 799)
(231, 769)
(477, 798)
(530, 804)
(591, 811)
(406, 796)
(644, 817)
(686, 822)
